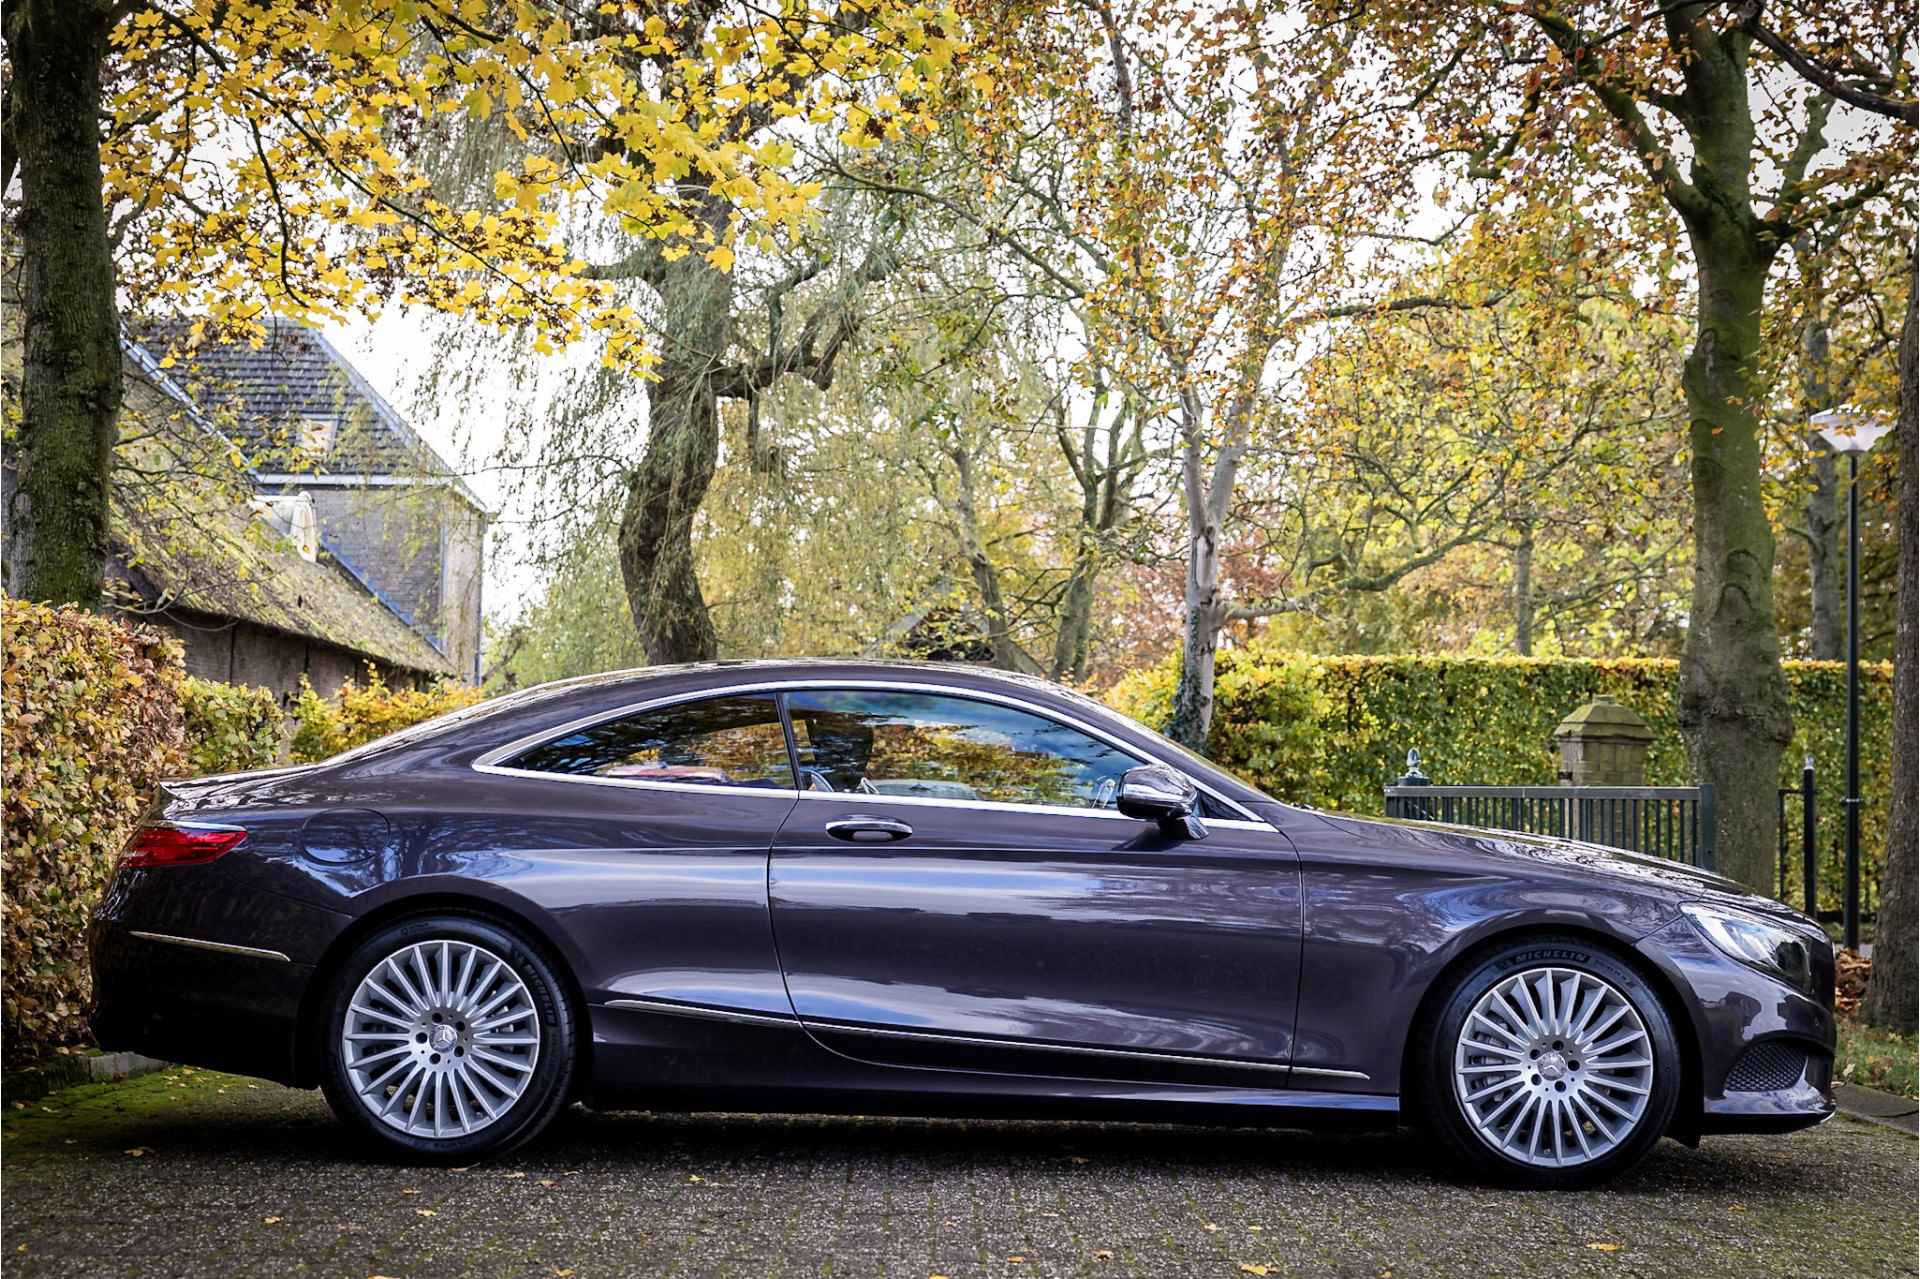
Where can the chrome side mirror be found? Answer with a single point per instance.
(1160, 795)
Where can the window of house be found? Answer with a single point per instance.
(722, 741)
(927, 746)
(315, 436)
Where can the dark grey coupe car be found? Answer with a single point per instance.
(879, 888)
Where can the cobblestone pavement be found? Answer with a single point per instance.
(191, 1173)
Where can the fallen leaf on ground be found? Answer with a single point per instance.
(1017, 1258)
(1103, 1254)
(513, 1174)
(1604, 1247)
(548, 1181)
(137, 1151)
(409, 1191)
(1254, 1268)
(1736, 1207)
(426, 1212)
(271, 1221)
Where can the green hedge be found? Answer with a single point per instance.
(231, 728)
(1331, 731)
(93, 723)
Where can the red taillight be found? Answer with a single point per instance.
(179, 845)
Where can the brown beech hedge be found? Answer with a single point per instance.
(93, 723)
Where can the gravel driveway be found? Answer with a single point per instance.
(191, 1173)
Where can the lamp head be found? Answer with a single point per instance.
(1848, 430)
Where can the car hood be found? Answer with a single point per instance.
(1553, 852)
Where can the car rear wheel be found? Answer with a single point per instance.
(1551, 1063)
(447, 1038)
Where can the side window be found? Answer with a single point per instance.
(724, 741)
(918, 744)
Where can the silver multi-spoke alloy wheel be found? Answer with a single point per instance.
(440, 1039)
(1553, 1067)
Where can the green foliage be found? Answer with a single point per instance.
(1331, 731)
(93, 725)
(362, 712)
(230, 728)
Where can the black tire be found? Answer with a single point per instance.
(1446, 1111)
(549, 1079)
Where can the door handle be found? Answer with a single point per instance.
(862, 829)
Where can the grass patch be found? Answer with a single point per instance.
(1876, 1059)
(93, 1110)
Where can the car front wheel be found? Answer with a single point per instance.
(1551, 1063)
(447, 1038)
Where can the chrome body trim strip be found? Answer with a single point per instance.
(1329, 1073)
(977, 1041)
(702, 1012)
(224, 948)
(490, 761)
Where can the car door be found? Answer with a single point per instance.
(954, 889)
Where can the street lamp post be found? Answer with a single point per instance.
(1853, 433)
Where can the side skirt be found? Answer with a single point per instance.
(666, 1055)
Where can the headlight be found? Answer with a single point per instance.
(1773, 949)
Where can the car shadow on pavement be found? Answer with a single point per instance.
(273, 1132)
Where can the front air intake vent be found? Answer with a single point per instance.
(1769, 1067)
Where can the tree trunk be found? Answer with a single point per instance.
(1894, 988)
(1071, 640)
(986, 578)
(1826, 565)
(1205, 609)
(1733, 696)
(1523, 592)
(70, 376)
(683, 446)
(1199, 643)
(1827, 562)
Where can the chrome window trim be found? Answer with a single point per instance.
(692, 788)
(490, 761)
(224, 948)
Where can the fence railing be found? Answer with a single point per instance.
(1674, 822)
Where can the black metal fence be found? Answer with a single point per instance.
(1675, 822)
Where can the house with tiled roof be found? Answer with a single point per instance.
(273, 565)
(327, 450)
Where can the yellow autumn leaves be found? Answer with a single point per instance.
(273, 158)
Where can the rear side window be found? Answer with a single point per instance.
(723, 741)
